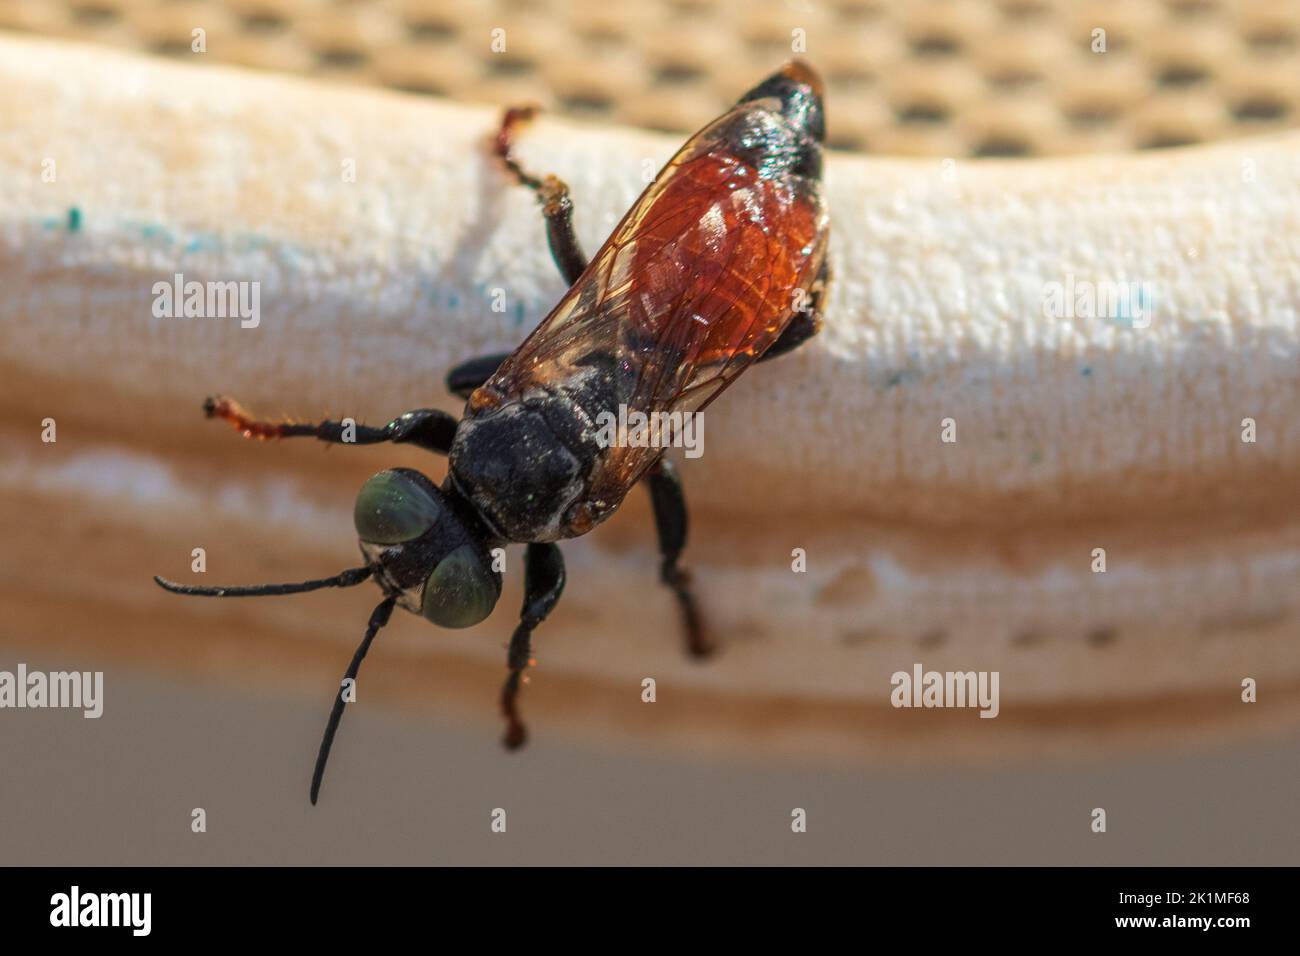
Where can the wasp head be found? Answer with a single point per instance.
(425, 549)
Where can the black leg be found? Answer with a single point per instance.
(671, 523)
(805, 323)
(426, 428)
(551, 192)
(557, 208)
(467, 376)
(543, 585)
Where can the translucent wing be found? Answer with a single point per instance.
(697, 281)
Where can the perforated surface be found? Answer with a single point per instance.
(906, 77)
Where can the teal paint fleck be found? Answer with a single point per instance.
(74, 219)
(453, 301)
(153, 231)
(291, 256)
(900, 376)
(1086, 371)
(1136, 304)
(205, 242)
(519, 313)
(247, 242)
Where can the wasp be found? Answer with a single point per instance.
(721, 263)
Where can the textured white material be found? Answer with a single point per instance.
(1072, 432)
(936, 309)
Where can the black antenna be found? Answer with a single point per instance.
(345, 579)
(377, 620)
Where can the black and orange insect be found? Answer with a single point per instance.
(720, 264)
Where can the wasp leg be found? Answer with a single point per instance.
(806, 323)
(467, 376)
(669, 504)
(551, 192)
(426, 428)
(543, 585)
(557, 207)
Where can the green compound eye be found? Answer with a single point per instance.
(393, 507)
(461, 591)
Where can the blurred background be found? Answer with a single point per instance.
(907, 77)
(945, 78)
